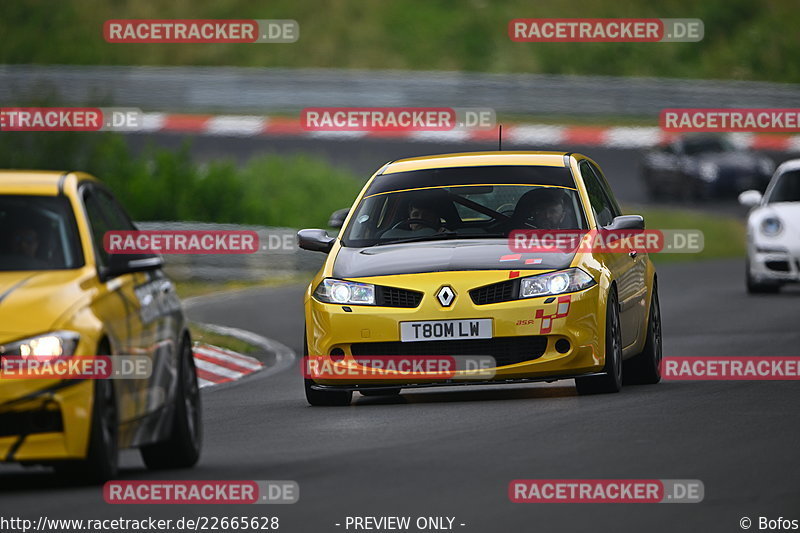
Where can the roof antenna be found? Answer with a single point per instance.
(500, 139)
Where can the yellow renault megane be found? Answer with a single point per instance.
(63, 296)
(423, 268)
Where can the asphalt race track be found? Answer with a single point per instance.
(453, 452)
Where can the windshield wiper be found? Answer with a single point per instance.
(442, 236)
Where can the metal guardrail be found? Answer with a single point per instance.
(263, 90)
(278, 256)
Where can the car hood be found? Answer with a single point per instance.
(442, 256)
(32, 302)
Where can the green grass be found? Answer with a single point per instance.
(724, 236)
(744, 39)
(201, 335)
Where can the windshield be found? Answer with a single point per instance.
(462, 212)
(38, 233)
(787, 188)
(701, 145)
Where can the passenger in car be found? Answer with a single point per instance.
(542, 208)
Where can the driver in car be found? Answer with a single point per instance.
(26, 242)
(423, 213)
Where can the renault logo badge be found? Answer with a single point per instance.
(446, 296)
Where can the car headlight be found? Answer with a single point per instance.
(709, 171)
(766, 166)
(771, 226)
(336, 291)
(54, 344)
(570, 280)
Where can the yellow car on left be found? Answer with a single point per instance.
(62, 294)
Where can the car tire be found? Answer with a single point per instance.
(102, 459)
(755, 287)
(182, 448)
(611, 379)
(323, 398)
(381, 392)
(645, 368)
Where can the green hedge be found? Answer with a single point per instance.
(159, 184)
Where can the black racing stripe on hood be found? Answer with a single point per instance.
(450, 256)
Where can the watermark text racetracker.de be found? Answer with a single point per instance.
(606, 241)
(606, 491)
(387, 119)
(731, 368)
(202, 492)
(75, 367)
(181, 242)
(70, 119)
(730, 120)
(606, 30)
(382, 367)
(200, 31)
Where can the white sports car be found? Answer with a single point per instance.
(773, 231)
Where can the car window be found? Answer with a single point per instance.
(601, 206)
(114, 212)
(38, 233)
(98, 223)
(104, 214)
(702, 145)
(786, 188)
(615, 209)
(463, 211)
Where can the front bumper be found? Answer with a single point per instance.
(776, 266)
(44, 420)
(578, 318)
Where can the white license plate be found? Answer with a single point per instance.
(479, 328)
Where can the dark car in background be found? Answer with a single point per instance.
(701, 167)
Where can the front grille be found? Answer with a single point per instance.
(394, 297)
(780, 266)
(505, 350)
(496, 292)
(27, 422)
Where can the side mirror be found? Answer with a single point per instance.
(119, 264)
(626, 222)
(750, 198)
(315, 240)
(337, 218)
